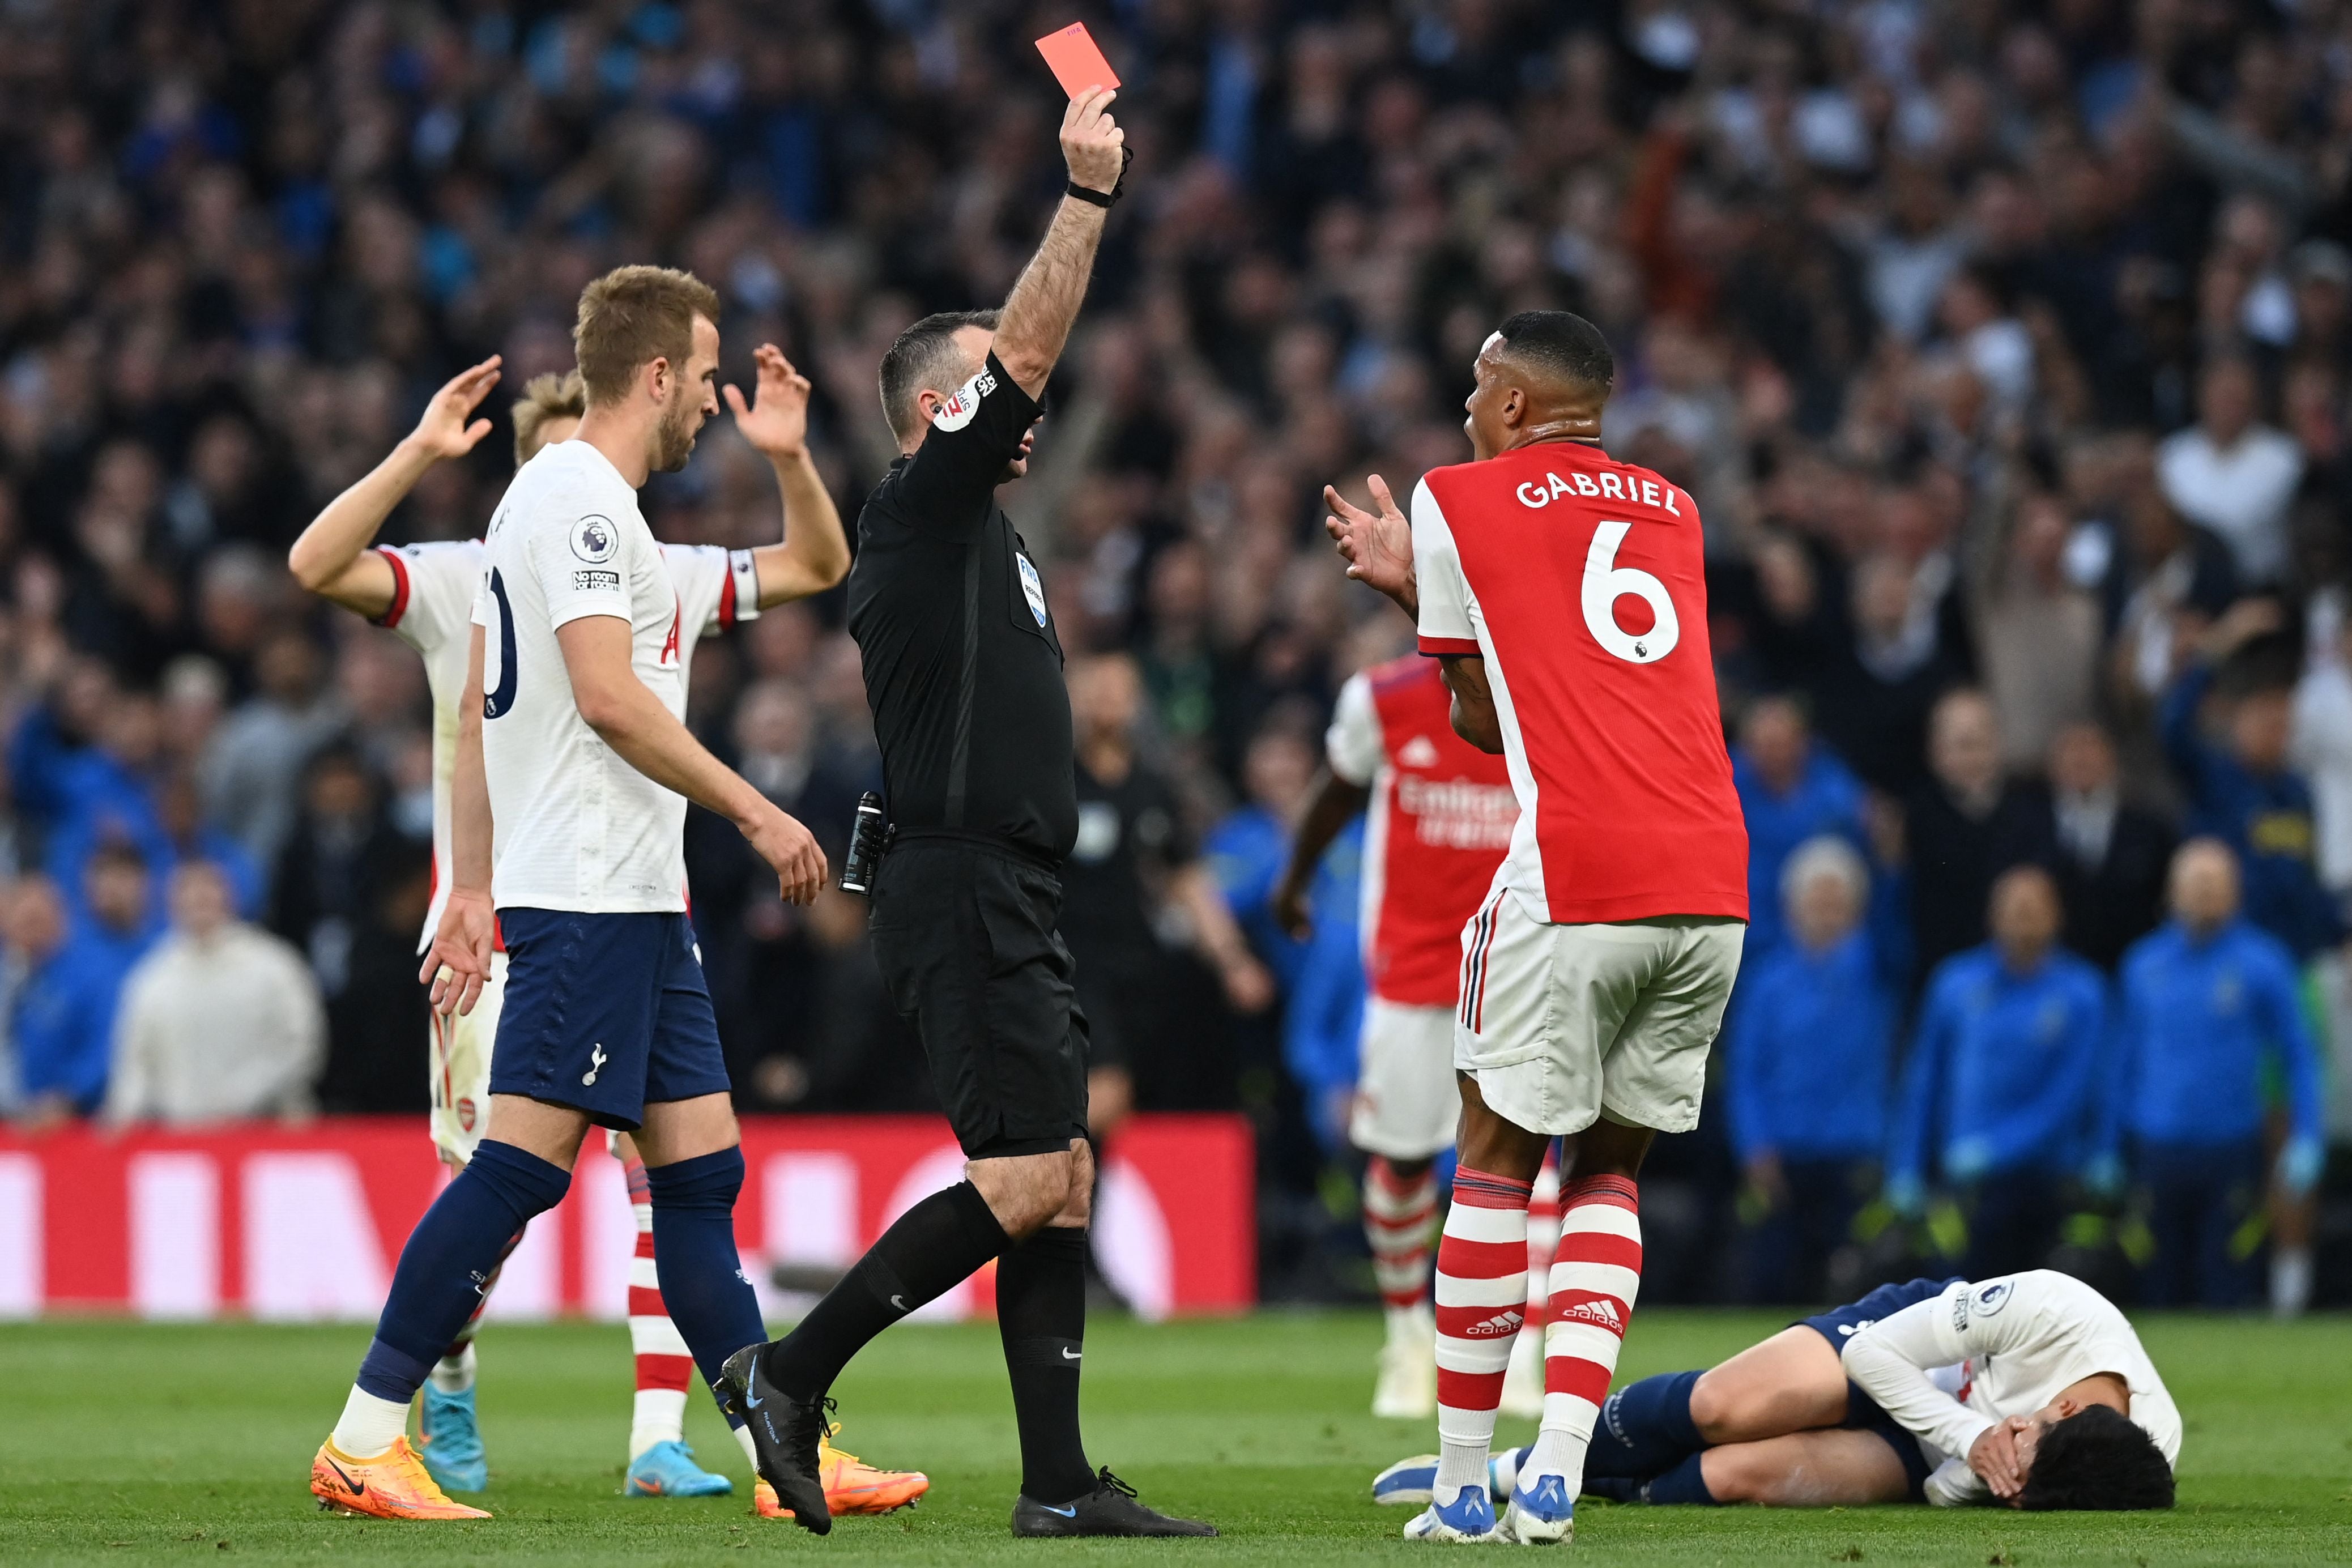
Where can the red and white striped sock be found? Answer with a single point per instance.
(1397, 1211)
(664, 1364)
(1482, 1299)
(1543, 1240)
(1595, 1277)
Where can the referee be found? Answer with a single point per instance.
(964, 672)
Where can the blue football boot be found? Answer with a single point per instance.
(452, 1446)
(1541, 1514)
(668, 1470)
(1469, 1517)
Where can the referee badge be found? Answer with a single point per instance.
(1032, 588)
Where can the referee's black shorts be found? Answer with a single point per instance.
(964, 934)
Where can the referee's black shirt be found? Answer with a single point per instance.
(962, 665)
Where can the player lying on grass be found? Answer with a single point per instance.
(424, 594)
(2030, 1391)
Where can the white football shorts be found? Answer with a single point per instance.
(1406, 1104)
(461, 1068)
(1563, 1023)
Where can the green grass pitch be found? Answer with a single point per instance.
(125, 1443)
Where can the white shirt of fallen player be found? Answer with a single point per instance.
(2018, 1341)
(434, 588)
(576, 827)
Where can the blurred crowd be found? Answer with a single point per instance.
(2005, 348)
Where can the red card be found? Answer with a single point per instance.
(1078, 60)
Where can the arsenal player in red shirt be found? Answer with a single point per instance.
(1564, 593)
(1440, 817)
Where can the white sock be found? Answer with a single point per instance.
(2289, 1280)
(370, 1426)
(455, 1373)
(743, 1441)
(1411, 1325)
(1460, 1465)
(1559, 1452)
(658, 1416)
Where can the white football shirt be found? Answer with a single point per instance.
(434, 588)
(432, 591)
(2019, 1341)
(576, 827)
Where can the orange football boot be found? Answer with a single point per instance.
(851, 1485)
(392, 1485)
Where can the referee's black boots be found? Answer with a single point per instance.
(786, 1433)
(1111, 1509)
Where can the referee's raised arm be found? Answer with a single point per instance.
(1047, 296)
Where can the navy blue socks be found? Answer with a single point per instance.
(449, 1259)
(1644, 1428)
(1685, 1483)
(702, 1281)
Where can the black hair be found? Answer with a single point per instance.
(2098, 1457)
(917, 360)
(1564, 343)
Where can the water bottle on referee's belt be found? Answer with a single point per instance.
(867, 839)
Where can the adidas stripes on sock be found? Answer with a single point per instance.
(1482, 1299)
(1595, 1277)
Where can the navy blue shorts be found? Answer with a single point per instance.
(606, 1013)
(1864, 1413)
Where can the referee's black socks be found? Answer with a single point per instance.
(934, 1246)
(1041, 1311)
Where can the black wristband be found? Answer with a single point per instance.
(1104, 199)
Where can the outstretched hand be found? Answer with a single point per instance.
(1378, 545)
(776, 421)
(443, 430)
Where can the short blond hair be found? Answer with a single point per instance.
(546, 397)
(633, 316)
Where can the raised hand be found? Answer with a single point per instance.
(1378, 544)
(444, 431)
(1092, 142)
(776, 419)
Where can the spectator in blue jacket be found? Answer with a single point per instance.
(1321, 977)
(2001, 1090)
(1808, 1054)
(82, 767)
(63, 1023)
(1790, 790)
(2210, 1002)
(2240, 790)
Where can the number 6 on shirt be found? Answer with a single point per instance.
(1605, 582)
